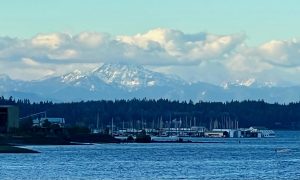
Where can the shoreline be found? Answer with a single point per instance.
(8, 149)
(187, 142)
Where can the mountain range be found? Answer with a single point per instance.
(124, 81)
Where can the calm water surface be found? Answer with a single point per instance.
(250, 159)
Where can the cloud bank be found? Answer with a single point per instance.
(196, 57)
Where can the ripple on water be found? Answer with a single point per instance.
(252, 159)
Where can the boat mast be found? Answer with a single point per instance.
(97, 120)
(112, 126)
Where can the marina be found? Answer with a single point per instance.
(197, 132)
(176, 129)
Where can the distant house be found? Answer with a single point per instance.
(9, 118)
(40, 121)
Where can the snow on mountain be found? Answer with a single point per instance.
(269, 84)
(123, 81)
(131, 77)
(250, 83)
(127, 77)
(73, 76)
(237, 83)
(247, 82)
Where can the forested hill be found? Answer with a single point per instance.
(132, 113)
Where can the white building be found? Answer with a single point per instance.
(262, 131)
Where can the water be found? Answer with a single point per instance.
(250, 159)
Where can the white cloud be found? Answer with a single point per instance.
(91, 39)
(29, 62)
(201, 56)
(52, 41)
(158, 46)
(64, 54)
(183, 48)
(284, 53)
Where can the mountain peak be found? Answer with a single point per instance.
(73, 76)
(4, 77)
(112, 67)
(129, 76)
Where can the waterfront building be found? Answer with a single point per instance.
(262, 131)
(232, 133)
(215, 134)
(9, 118)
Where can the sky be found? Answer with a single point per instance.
(213, 41)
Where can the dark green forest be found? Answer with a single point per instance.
(145, 113)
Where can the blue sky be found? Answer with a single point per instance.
(259, 20)
(214, 41)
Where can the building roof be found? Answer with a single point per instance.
(7, 106)
(258, 127)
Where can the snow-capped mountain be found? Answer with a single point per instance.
(251, 82)
(128, 78)
(110, 81)
(7, 84)
(132, 77)
(123, 81)
(72, 77)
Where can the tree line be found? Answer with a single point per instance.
(150, 113)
